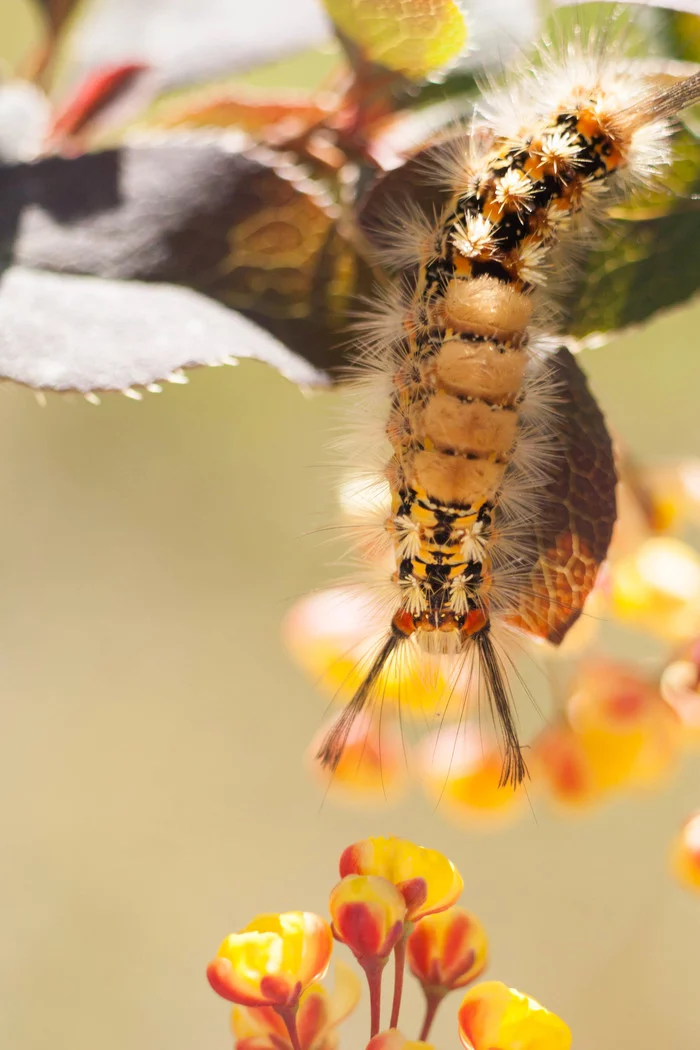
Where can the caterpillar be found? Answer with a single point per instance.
(497, 458)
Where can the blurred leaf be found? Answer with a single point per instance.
(257, 113)
(458, 84)
(496, 30)
(262, 239)
(151, 213)
(647, 262)
(291, 268)
(674, 5)
(61, 332)
(192, 41)
(413, 39)
(683, 31)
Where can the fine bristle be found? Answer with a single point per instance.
(500, 703)
(405, 235)
(331, 750)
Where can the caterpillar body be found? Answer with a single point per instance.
(498, 462)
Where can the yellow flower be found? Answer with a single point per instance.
(428, 881)
(494, 1017)
(447, 950)
(461, 766)
(618, 732)
(368, 914)
(685, 854)
(272, 960)
(319, 1014)
(673, 491)
(680, 688)
(393, 1040)
(372, 766)
(563, 764)
(628, 733)
(657, 588)
(331, 634)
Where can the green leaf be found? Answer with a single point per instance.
(675, 5)
(649, 260)
(256, 235)
(413, 39)
(683, 33)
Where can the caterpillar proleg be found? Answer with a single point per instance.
(497, 458)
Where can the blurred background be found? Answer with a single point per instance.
(152, 792)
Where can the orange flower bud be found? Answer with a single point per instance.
(494, 1017)
(680, 688)
(447, 950)
(372, 765)
(461, 767)
(628, 733)
(563, 764)
(272, 960)
(317, 1018)
(394, 1040)
(428, 881)
(685, 854)
(367, 914)
(331, 634)
(674, 491)
(657, 588)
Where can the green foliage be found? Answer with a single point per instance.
(649, 260)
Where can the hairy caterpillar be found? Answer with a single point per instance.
(498, 461)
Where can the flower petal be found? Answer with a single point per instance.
(495, 1017)
(368, 914)
(345, 995)
(685, 856)
(406, 864)
(394, 1040)
(272, 960)
(447, 950)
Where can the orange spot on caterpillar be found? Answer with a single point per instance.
(476, 621)
(404, 622)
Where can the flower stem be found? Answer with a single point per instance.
(289, 1016)
(433, 998)
(373, 969)
(399, 967)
